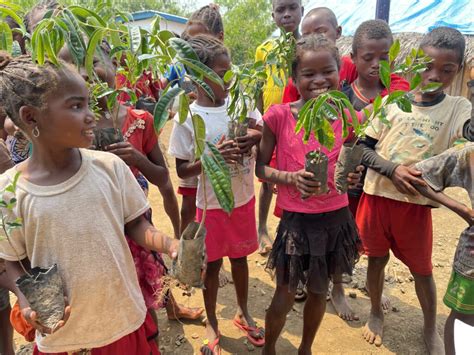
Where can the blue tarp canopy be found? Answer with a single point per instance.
(405, 15)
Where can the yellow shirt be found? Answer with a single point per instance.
(272, 93)
(413, 137)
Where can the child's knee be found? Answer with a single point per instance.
(214, 266)
(238, 262)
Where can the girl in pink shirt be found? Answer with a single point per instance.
(317, 236)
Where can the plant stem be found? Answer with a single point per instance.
(14, 249)
(203, 218)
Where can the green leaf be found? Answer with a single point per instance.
(74, 39)
(326, 134)
(431, 87)
(6, 37)
(404, 104)
(415, 81)
(135, 38)
(9, 12)
(199, 135)
(395, 95)
(229, 75)
(221, 184)
(183, 49)
(201, 69)
(219, 159)
(394, 51)
(384, 72)
(155, 25)
(45, 36)
(92, 46)
(203, 85)
(161, 114)
(85, 13)
(183, 108)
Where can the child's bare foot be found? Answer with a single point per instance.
(224, 277)
(176, 311)
(264, 241)
(385, 301)
(339, 301)
(433, 342)
(373, 329)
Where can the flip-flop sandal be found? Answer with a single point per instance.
(212, 346)
(247, 329)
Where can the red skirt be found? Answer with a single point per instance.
(140, 342)
(234, 236)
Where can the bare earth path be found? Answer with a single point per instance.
(402, 326)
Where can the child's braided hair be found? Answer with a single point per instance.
(207, 48)
(314, 43)
(23, 83)
(210, 17)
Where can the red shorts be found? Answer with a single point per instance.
(140, 342)
(187, 191)
(405, 228)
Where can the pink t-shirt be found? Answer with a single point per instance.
(290, 156)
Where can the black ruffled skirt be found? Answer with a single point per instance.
(311, 247)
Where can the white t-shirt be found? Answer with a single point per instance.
(216, 120)
(413, 137)
(79, 225)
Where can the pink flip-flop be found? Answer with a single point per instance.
(247, 329)
(212, 345)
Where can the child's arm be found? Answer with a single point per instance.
(463, 211)
(147, 236)
(404, 178)
(301, 179)
(15, 271)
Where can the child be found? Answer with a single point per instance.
(233, 235)
(206, 20)
(390, 201)
(317, 236)
(287, 16)
(74, 204)
(323, 21)
(141, 152)
(6, 330)
(455, 167)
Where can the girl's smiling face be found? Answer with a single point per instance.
(316, 73)
(66, 121)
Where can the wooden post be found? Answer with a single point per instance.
(382, 10)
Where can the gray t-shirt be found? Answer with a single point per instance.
(79, 225)
(455, 167)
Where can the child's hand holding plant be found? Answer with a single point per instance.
(246, 142)
(229, 150)
(304, 182)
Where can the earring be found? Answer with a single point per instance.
(36, 132)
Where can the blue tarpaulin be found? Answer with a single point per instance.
(405, 15)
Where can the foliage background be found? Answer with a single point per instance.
(247, 23)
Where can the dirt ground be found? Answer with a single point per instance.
(403, 324)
